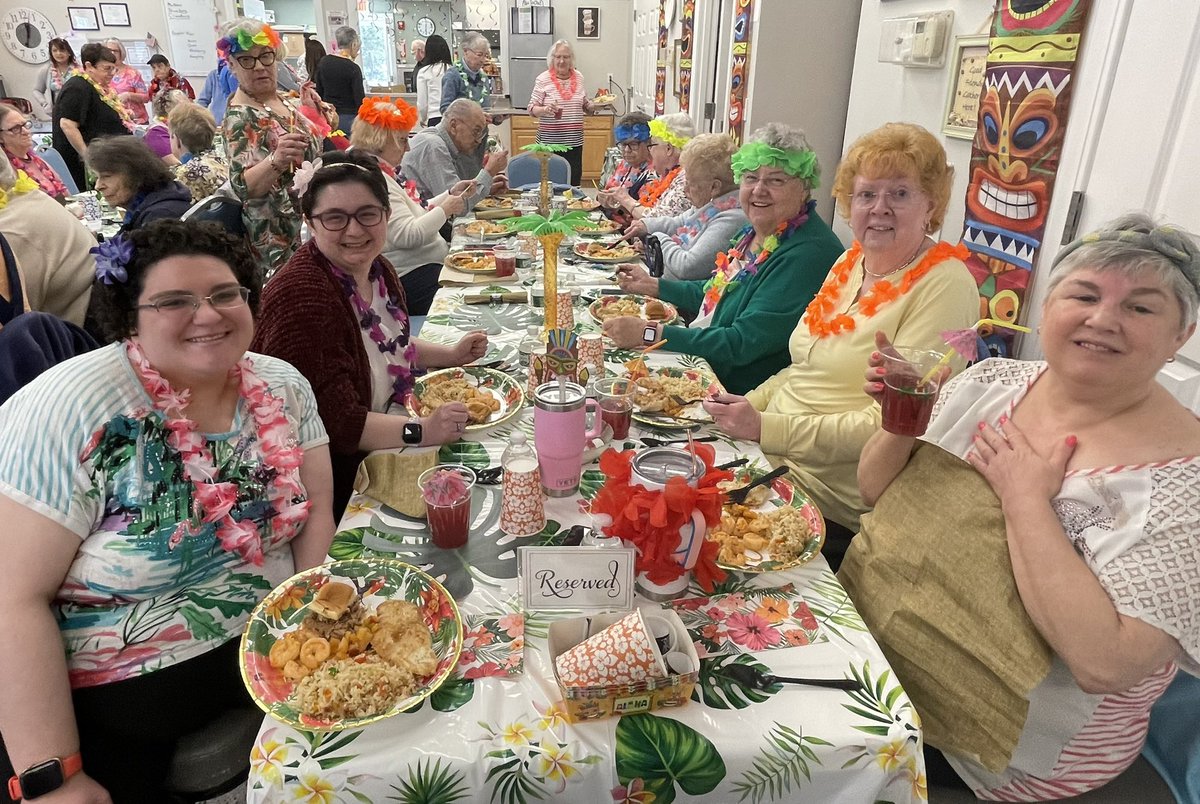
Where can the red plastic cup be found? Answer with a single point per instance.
(506, 262)
(907, 402)
(447, 493)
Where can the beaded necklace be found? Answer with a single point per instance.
(212, 501)
(820, 317)
(402, 374)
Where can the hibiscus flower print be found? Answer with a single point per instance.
(751, 631)
(795, 637)
(512, 624)
(772, 609)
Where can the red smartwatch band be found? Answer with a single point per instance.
(70, 766)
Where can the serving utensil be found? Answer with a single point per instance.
(753, 677)
(659, 442)
(739, 495)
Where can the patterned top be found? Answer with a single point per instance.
(272, 221)
(130, 80)
(37, 169)
(1136, 527)
(100, 467)
(203, 174)
(566, 129)
(673, 201)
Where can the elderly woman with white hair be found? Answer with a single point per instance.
(339, 80)
(158, 136)
(559, 101)
(761, 284)
(663, 196)
(129, 84)
(690, 242)
(467, 79)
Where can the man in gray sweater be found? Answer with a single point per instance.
(453, 150)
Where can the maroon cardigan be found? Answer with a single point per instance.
(306, 319)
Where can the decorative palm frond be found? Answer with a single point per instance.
(545, 148)
(431, 784)
(557, 222)
(779, 765)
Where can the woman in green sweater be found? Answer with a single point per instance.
(761, 285)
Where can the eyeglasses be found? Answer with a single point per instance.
(189, 303)
(775, 182)
(19, 127)
(656, 144)
(630, 145)
(336, 220)
(899, 198)
(248, 62)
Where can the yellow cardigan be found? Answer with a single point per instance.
(816, 417)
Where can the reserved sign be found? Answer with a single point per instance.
(576, 578)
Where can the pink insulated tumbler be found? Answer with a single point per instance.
(560, 433)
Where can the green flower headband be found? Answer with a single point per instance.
(754, 155)
(1174, 244)
(659, 130)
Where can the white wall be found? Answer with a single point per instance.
(596, 58)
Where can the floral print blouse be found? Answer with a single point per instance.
(130, 80)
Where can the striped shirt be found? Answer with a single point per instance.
(567, 129)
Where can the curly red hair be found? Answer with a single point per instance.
(388, 113)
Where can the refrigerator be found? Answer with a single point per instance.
(530, 35)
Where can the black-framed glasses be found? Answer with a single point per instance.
(189, 303)
(337, 220)
(248, 62)
(17, 129)
(631, 145)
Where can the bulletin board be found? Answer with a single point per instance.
(192, 33)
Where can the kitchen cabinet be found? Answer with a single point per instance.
(597, 139)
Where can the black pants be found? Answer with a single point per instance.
(574, 158)
(420, 285)
(128, 730)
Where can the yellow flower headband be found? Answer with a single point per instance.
(659, 130)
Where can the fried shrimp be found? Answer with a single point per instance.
(314, 651)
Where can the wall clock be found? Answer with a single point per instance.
(425, 26)
(27, 34)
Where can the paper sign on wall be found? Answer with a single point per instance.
(576, 578)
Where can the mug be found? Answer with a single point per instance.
(560, 433)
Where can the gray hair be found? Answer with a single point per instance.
(168, 99)
(461, 109)
(345, 36)
(474, 40)
(120, 46)
(680, 124)
(1134, 243)
(557, 44)
(782, 136)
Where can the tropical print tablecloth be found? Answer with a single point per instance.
(496, 733)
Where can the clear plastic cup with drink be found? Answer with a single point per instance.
(909, 391)
(446, 490)
(506, 262)
(615, 395)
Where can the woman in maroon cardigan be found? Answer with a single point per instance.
(336, 312)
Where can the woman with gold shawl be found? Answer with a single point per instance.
(1030, 568)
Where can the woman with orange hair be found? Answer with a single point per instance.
(413, 245)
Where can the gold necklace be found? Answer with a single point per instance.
(900, 267)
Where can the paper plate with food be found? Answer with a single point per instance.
(491, 396)
(661, 392)
(472, 262)
(584, 204)
(495, 207)
(349, 643)
(600, 228)
(604, 99)
(607, 254)
(607, 307)
(486, 229)
(777, 528)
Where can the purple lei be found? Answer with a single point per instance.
(402, 374)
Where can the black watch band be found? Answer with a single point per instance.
(413, 432)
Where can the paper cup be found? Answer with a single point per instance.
(565, 312)
(91, 205)
(661, 631)
(623, 653)
(591, 349)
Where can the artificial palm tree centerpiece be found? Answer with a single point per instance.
(542, 151)
(549, 230)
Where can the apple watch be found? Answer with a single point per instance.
(650, 334)
(413, 432)
(44, 777)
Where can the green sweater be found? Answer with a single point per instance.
(747, 339)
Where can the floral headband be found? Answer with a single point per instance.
(242, 40)
(659, 130)
(638, 131)
(754, 155)
(1174, 244)
(112, 258)
(308, 170)
(388, 113)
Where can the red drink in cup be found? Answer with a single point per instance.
(615, 395)
(907, 401)
(447, 494)
(506, 262)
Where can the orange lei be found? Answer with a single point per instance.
(819, 315)
(650, 194)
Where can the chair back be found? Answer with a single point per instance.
(55, 160)
(222, 209)
(525, 172)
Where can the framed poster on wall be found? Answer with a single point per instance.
(115, 15)
(83, 18)
(966, 87)
(588, 23)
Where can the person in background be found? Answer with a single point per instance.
(632, 136)
(266, 139)
(179, 478)
(467, 79)
(158, 136)
(690, 242)
(893, 186)
(339, 80)
(413, 245)
(761, 285)
(337, 313)
(559, 101)
(441, 157)
(418, 51)
(50, 245)
(202, 168)
(87, 108)
(131, 176)
(128, 83)
(52, 77)
(219, 87)
(314, 51)
(166, 78)
(663, 195)
(430, 72)
(16, 137)
(1041, 536)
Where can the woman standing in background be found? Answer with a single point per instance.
(129, 85)
(559, 101)
(50, 80)
(430, 71)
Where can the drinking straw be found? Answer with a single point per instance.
(654, 346)
(945, 361)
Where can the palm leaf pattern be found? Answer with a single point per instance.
(431, 783)
(779, 765)
(831, 605)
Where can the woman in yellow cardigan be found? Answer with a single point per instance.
(893, 187)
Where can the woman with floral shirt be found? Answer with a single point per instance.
(129, 85)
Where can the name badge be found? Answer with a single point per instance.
(554, 578)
